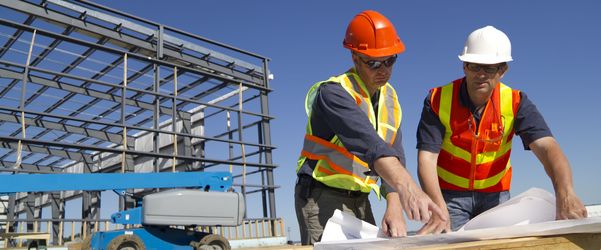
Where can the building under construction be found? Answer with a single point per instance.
(88, 89)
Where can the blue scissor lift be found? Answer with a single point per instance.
(209, 203)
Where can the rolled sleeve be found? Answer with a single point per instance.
(529, 123)
(382, 150)
(430, 131)
(400, 154)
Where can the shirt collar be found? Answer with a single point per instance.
(464, 98)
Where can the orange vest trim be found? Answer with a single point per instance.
(336, 166)
(339, 149)
(333, 165)
(485, 169)
(470, 159)
(503, 185)
(435, 100)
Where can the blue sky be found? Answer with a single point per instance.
(556, 62)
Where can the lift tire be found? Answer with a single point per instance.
(212, 242)
(37, 245)
(126, 242)
(33, 245)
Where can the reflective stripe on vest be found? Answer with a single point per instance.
(475, 160)
(336, 166)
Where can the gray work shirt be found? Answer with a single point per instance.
(335, 112)
(529, 124)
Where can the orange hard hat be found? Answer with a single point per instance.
(372, 34)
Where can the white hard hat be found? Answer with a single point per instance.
(487, 45)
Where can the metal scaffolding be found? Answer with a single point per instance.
(88, 89)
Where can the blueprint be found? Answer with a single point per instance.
(531, 213)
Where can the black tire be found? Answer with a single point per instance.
(212, 242)
(33, 245)
(126, 242)
(37, 245)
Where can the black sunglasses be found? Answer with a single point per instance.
(488, 69)
(374, 64)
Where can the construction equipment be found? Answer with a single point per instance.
(208, 204)
(148, 98)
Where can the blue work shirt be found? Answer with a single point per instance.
(529, 124)
(335, 112)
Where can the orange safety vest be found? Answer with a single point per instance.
(470, 159)
(336, 166)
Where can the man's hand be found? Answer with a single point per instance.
(436, 224)
(428, 178)
(568, 206)
(418, 206)
(393, 222)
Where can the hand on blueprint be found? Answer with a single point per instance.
(418, 205)
(393, 222)
(436, 224)
(568, 206)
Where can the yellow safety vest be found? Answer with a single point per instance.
(336, 166)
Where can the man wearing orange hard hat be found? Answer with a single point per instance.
(353, 137)
(465, 135)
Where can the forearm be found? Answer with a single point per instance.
(557, 167)
(390, 169)
(393, 203)
(428, 176)
(555, 163)
(560, 173)
(416, 204)
(393, 221)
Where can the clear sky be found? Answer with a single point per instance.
(556, 51)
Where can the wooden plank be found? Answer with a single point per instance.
(285, 247)
(24, 235)
(568, 241)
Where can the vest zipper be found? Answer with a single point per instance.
(473, 156)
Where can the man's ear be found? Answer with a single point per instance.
(464, 67)
(355, 60)
(504, 70)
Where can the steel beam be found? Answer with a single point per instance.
(79, 90)
(120, 39)
(69, 129)
(45, 144)
(52, 151)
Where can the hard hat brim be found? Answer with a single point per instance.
(389, 51)
(484, 59)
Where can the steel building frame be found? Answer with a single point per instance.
(85, 89)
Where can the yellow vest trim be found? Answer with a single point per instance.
(464, 182)
(507, 118)
(387, 131)
(506, 102)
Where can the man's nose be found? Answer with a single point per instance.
(481, 74)
(384, 69)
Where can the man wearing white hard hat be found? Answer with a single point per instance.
(465, 135)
